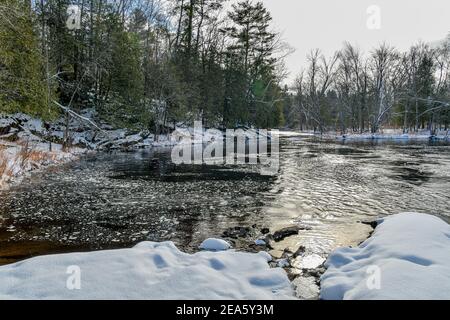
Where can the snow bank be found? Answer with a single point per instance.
(147, 271)
(407, 257)
(389, 134)
(215, 245)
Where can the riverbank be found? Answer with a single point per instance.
(405, 258)
(386, 134)
(26, 145)
(24, 154)
(29, 144)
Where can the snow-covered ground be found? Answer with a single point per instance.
(23, 148)
(407, 257)
(147, 271)
(19, 158)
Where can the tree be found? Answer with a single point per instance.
(252, 48)
(22, 79)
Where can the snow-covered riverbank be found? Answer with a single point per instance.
(407, 257)
(147, 271)
(388, 134)
(24, 147)
(28, 144)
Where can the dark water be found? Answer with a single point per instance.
(116, 200)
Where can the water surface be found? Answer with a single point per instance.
(116, 200)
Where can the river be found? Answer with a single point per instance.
(114, 200)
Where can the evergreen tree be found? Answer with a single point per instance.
(22, 83)
(254, 45)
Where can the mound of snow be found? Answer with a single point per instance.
(147, 271)
(407, 257)
(215, 245)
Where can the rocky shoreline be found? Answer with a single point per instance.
(303, 267)
(29, 144)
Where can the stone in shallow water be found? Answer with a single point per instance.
(285, 232)
(308, 262)
(306, 288)
(260, 242)
(215, 245)
(236, 232)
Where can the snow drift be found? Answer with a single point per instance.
(407, 257)
(147, 271)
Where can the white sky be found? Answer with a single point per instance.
(326, 24)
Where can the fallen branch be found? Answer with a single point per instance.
(80, 117)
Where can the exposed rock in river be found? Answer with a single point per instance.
(286, 232)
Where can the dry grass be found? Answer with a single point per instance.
(25, 157)
(3, 162)
(20, 157)
(28, 155)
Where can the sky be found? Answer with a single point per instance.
(327, 24)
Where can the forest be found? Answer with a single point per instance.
(144, 63)
(155, 64)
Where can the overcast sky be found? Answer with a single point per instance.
(326, 24)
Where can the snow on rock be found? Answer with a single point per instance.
(215, 245)
(260, 242)
(283, 263)
(147, 271)
(407, 257)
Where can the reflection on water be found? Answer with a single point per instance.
(115, 200)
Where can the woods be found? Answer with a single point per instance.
(144, 64)
(357, 92)
(153, 64)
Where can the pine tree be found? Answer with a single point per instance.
(254, 45)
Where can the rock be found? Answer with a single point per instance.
(285, 232)
(311, 261)
(373, 224)
(236, 232)
(215, 245)
(299, 252)
(306, 288)
(265, 230)
(5, 125)
(316, 273)
(277, 254)
(283, 263)
(260, 242)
